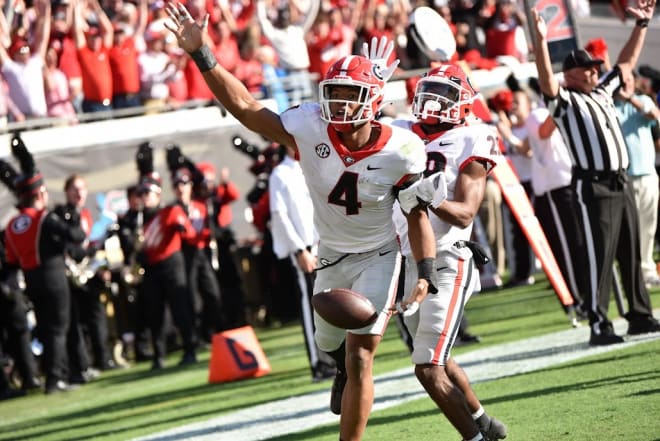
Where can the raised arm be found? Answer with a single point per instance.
(42, 34)
(105, 25)
(231, 93)
(228, 16)
(5, 39)
(143, 18)
(630, 53)
(267, 27)
(547, 81)
(78, 23)
(310, 14)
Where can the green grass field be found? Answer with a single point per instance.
(612, 396)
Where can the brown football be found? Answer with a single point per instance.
(344, 308)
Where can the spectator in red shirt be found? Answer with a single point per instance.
(124, 60)
(249, 69)
(197, 88)
(322, 44)
(501, 29)
(93, 43)
(226, 46)
(63, 43)
(380, 22)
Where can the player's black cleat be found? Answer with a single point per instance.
(337, 391)
(491, 428)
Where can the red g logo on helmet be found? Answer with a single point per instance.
(351, 92)
(444, 94)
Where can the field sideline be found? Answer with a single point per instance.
(532, 370)
(304, 412)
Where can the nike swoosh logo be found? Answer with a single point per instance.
(373, 168)
(441, 144)
(442, 268)
(383, 253)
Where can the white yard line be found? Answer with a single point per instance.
(304, 412)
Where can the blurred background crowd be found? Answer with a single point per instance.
(67, 62)
(64, 58)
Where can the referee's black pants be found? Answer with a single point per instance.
(630, 263)
(599, 207)
(554, 210)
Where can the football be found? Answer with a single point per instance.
(344, 308)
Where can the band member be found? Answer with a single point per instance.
(165, 281)
(35, 242)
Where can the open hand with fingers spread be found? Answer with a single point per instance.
(644, 9)
(189, 34)
(379, 54)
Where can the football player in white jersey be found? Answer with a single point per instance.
(355, 168)
(459, 159)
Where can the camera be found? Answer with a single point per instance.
(245, 147)
(264, 161)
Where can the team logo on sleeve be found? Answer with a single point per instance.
(322, 150)
(21, 224)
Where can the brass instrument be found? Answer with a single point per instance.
(79, 273)
(134, 272)
(108, 258)
(213, 243)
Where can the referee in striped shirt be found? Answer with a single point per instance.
(583, 110)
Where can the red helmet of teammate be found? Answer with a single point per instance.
(363, 77)
(444, 94)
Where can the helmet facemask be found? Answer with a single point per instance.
(439, 100)
(337, 100)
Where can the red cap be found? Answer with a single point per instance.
(92, 31)
(19, 45)
(206, 168)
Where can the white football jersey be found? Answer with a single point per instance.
(449, 152)
(352, 192)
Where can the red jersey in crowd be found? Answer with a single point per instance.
(197, 88)
(124, 66)
(198, 215)
(164, 231)
(225, 194)
(96, 74)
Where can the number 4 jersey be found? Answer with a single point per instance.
(353, 192)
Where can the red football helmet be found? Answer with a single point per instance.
(356, 72)
(443, 94)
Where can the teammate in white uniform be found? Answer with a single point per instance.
(354, 168)
(459, 159)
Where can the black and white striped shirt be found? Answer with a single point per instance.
(589, 125)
